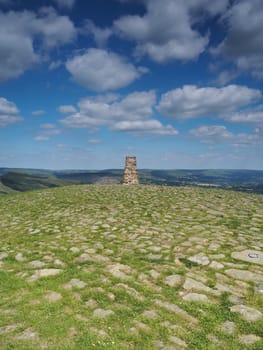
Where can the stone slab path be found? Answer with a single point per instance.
(116, 267)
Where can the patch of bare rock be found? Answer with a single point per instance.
(75, 283)
(247, 313)
(228, 327)
(101, 313)
(176, 309)
(195, 297)
(173, 280)
(119, 271)
(200, 259)
(244, 275)
(43, 273)
(249, 339)
(252, 256)
(52, 296)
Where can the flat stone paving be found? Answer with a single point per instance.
(131, 268)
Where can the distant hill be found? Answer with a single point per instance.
(18, 181)
(31, 179)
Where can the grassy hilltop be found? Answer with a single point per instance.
(147, 267)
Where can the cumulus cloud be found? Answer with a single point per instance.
(246, 117)
(18, 36)
(133, 113)
(167, 31)
(102, 70)
(49, 130)
(38, 112)
(151, 126)
(244, 41)
(66, 109)
(94, 141)
(9, 113)
(218, 134)
(191, 101)
(212, 133)
(101, 35)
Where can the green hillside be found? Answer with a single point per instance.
(19, 181)
(5, 189)
(31, 179)
(115, 267)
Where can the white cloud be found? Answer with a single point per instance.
(9, 113)
(101, 70)
(94, 141)
(212, 133)
(55, 65)
(67, 4)
(244, 41)
(167, 30)
(18, 36)
(49, 130)
(38, 112)
(248, 116)
(41, 138)
(138, 127)
(133, 113)
(192, 101)
(66, 109)
(101, 35)
(218, 134)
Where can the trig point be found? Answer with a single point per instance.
(130, 176)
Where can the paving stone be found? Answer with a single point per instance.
(43, 273)
(249, 339)
(228, 327)
(27, 334)
(131, 291)
(99, 332)
(191, 284)
(173, 280)
(52, 297)
(177, 341)
(19, 257)
(259, 288)
(3, 255)
(247, 313)
(9, 328)
(101, 313)
(252, 256)
(150, 314)
(36, 264)
(175, 309)
(91, 303)
(216, 265)
(244, 275)
(75, 283)
(119, 271)
(195, 297)
(91, 258)
(200, 259)
(141, 326)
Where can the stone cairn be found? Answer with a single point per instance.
(130, 176)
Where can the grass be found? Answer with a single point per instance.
(133, 238)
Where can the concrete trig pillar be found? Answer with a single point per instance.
(130, 176)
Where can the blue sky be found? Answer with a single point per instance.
(176, 83)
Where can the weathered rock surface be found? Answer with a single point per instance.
(252, 256)
(43, 273)
(247, 313)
